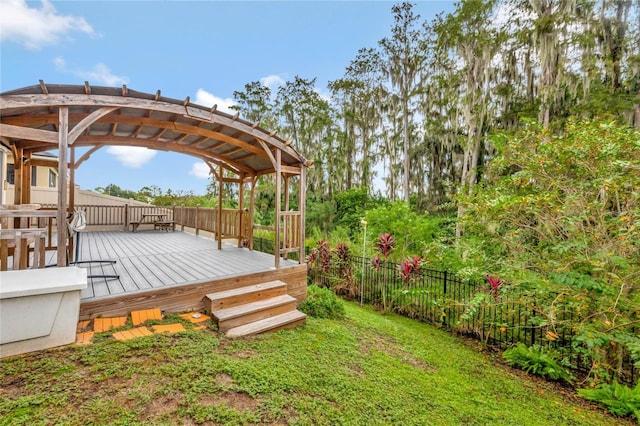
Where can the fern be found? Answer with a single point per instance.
(537, 361)
(619, 399)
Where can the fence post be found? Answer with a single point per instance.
(126, 217)
(444, 292)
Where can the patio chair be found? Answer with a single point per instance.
(78, 223)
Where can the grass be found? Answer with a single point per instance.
(367, 369)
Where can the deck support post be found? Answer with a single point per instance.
(61, 219)
(276, 248)
(301, 209)
(285, 231)
(241, 207)
(72, 197)
(219, 221)
(252, 206)
(25, 193)
(17, 175)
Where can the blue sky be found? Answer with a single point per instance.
(202, 49)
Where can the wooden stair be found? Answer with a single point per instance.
(254, 309)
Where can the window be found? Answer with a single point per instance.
(52, 179)
(34, 176)
(11, 174)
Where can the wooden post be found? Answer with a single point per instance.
(72, 197)
(278, 195)
(126, 216)
(195, 222)
(252, 207)
(219, 221)
(302, 210)
(241, 208)
(25, 193)
(287, 219)
(61, 219)
(17, 175)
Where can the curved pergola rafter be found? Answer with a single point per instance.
(66, 117)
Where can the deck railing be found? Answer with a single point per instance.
(235, 223)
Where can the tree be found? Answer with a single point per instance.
(358, 95)
(404, 61)
(254, 103)
(308, 121)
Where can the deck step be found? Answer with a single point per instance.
(242, 295)
(287, 320)
(239, 315)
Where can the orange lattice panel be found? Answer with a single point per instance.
(84, 338)
(105, 324)
(132, 333)
(83, 325)
(138, 317)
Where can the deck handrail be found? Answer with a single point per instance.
(15, 243)
(235, 223)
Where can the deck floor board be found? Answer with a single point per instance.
(150, 259)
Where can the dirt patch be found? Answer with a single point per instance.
(243, 354)
(13, 387)
(224, 380)
(389, 345)
(239, 401)
(160, 407)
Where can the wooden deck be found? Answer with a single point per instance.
(172, 271)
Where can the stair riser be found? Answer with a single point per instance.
(241, 299)
(292, 324)
(256, 316)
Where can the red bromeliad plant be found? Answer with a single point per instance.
(377, 262)
(386, 243)
(406, 270)
(495, 284)
(322, 254)
(410, 268)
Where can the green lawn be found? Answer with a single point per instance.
(364, 370)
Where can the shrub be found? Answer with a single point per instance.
(536, 360)
(619, 399)
(322, 303)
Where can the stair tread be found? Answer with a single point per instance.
(246, 290)
(266, 324)
(249, 308)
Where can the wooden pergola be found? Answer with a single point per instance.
(65, 117)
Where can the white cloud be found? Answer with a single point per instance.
(272, 81)
(99, 74)
(323, 93)
(35, 28)
(200, 170)
(132, 156)
(207, 99)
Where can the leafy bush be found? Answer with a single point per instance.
(411, 230)
(322, 303)
(559, 215)
(619, 399)
(535, 360)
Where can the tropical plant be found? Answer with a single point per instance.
(619, 399)
(536, 360)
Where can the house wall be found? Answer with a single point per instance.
(41, 193)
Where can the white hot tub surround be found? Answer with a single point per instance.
(39, 308)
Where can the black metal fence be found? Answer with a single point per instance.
(498, 317)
